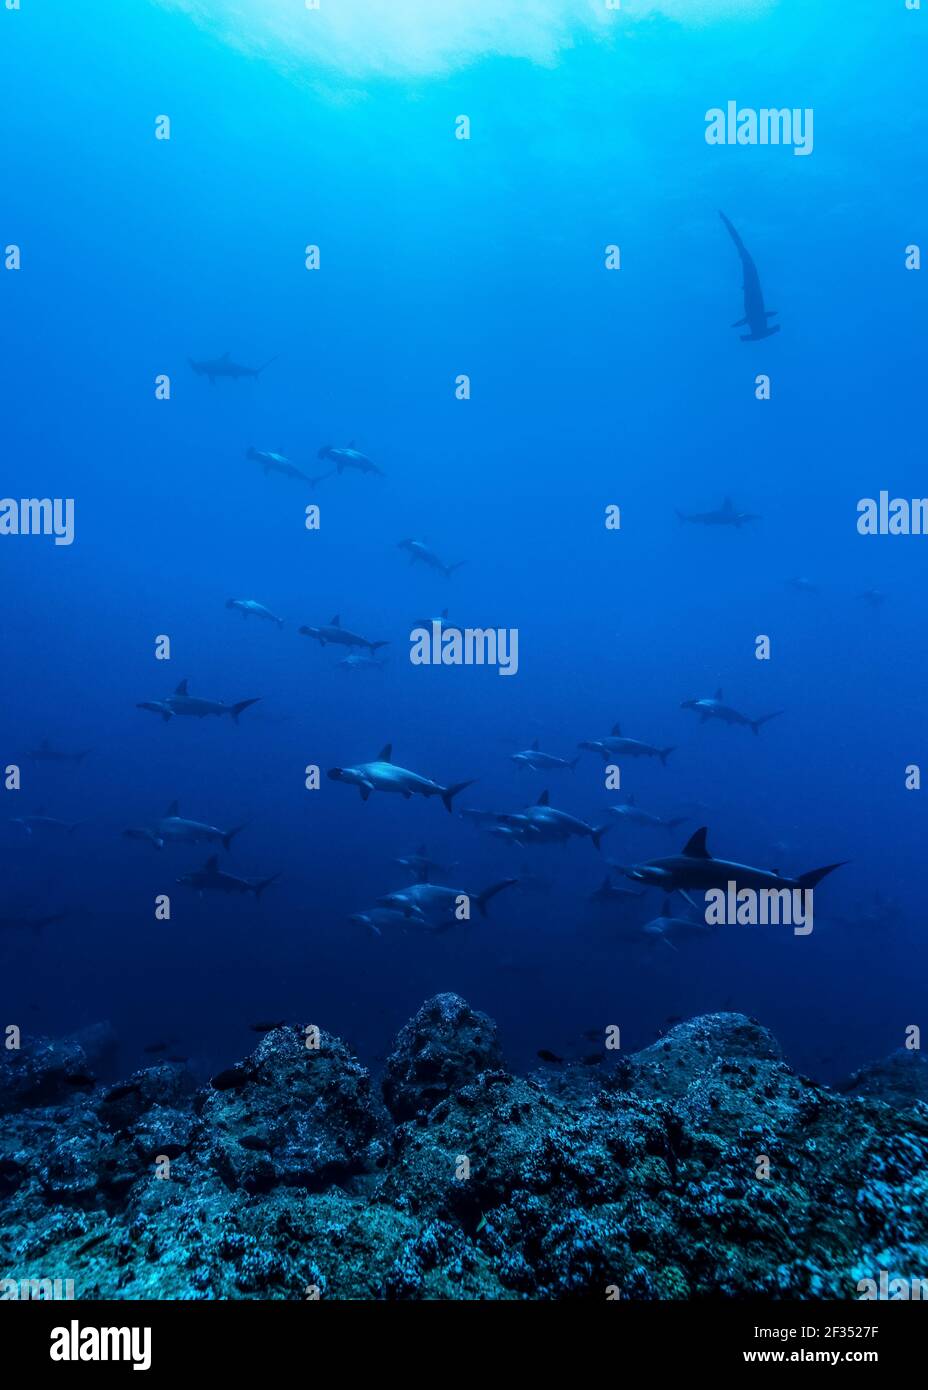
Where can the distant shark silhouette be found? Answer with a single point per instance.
(224, 367)
(755, 315)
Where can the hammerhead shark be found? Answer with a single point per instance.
(726, 515)
(755, 315)
(224, 366)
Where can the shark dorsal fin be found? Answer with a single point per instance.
(39, 811)
(224, 357)
(336, 621)
(182, 688)
(631, 799)
(728, 505)
(212, 864)
(386, 753)
(543, 800)
(617, 731)
(719, 695)
(535, 746)
(695, 847)
(607, 884)
(351, 443)
(422, 851)
(443, 613)
(44, 743)
(173, 809)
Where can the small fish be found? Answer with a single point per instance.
(547, 1056)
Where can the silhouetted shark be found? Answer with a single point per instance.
(224, 366)
(725, 516)
(755, 315)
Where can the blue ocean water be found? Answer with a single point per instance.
(589, 387)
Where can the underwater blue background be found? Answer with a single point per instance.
(440, 257)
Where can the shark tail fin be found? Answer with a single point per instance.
(451, 792)
(375, 646)
(573, 763)
(230, 835)
(243, 705)
(665, 754)
(449, 569)
(756, 723)
(491, 892)
(598, 833)
(814, 877)
(259, 370)
(265, 883)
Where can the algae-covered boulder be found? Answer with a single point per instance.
(290, 1113)
(437, 1052)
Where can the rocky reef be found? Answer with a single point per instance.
(703, 1166)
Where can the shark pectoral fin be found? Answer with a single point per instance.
(683, 894)
(770, 313)
(365, 792)
(740, 323)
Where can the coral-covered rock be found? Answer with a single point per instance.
(437, 1052)
(42, 1071)
(701, 1167)
(292, 1114)
(899, 1079)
